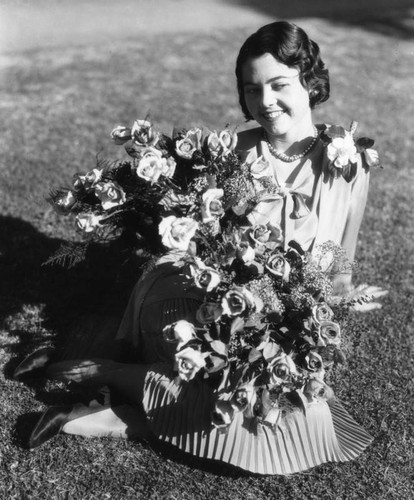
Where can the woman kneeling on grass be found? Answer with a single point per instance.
(282, 421)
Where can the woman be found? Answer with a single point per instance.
(321, 195)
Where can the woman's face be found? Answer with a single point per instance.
(276, 99)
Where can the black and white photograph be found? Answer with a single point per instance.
(206, 250)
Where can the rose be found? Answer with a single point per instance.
(88, 180)
(189, 363)
(151, 165)
(322, 312)
(211, 207)
(265, 236)
(244, 397)
(222, 415)
(204, 277)
(341, 150)
(121, 134)
(261, 168)
(88, 222)
(169, 167)
(281, 369)
(245, 252)
(278, 266)
(64, 203)
(221, 144)
(176, 233)
(189, 144)
(111, 194)
(237, 301)
(315, 390)
(259, 234)
(181, 332)
(143, 133)
(329, 333)
(313, 361)
(208, 312)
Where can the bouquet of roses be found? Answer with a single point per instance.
(266, 332)
(170, 191)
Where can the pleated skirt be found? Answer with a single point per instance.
(179, 413)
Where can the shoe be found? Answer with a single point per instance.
(34, 364)
(49, 425)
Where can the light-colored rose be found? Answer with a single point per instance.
(181, 332)
(322, 312)
(144, 134)
(211, 207)
(204, 276)
(222, 143)
(244, 397)
(111, 194)
(208, 312)
(313, 361)
(261, 168)
(89, 180)
(278, 266)
(315, 390)
(222, 415)
(64, 203)
(151, 165)
(189, 144)
(341, 150)
(259, 234)
(372, 157)
(329, 333)
(245, 252)
(176, 233)
(88, 222)
(189, 363)
(120, 134)
(169, 167)
(237, 301)
(281, 369)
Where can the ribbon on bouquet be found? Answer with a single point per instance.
(285, 206)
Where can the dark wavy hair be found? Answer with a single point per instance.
(289, 45)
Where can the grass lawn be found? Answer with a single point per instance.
(58, 107)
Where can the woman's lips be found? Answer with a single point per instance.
(271, 115)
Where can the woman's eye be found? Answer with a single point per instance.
(251, 91)
(279, 86)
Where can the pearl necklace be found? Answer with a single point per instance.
(286, 158)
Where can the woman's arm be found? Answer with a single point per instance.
(359, 195)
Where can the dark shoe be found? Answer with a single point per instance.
(49, 425)
(34, 365)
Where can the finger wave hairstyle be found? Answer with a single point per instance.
(289, 45)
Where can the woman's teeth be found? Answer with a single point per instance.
(273, 114)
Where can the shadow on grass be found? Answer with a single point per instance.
(77, 310)
(381, 16)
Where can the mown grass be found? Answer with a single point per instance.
(59, 106)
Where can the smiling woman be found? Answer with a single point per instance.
(232, 350)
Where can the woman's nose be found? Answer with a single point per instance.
(268, 97)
